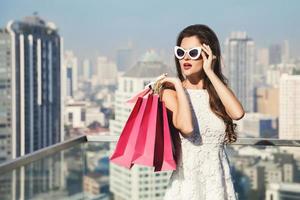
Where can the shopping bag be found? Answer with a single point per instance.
(164, 153)
(159, 140)
(144, 150)
(125, 147)
(154, 146)
(145, 138)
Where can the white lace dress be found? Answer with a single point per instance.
(203, 171)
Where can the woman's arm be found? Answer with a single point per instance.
(176, 101)
(232, 105)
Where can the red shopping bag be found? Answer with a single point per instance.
(124, 151)
(164, 153)
(159, 140)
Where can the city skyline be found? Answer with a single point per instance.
(100, 28)
(64, 98)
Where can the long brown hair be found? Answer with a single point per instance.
(207, 36)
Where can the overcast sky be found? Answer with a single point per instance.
(99, 27)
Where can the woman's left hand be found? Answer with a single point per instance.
(208, 58)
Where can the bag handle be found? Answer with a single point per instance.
(157, 86)
(153, 87)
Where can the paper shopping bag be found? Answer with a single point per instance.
(150, 128)
(124, 151)
(164, 153)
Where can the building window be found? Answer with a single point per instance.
(131, 86)
(82, 115)
(125, 86)
(70, 117)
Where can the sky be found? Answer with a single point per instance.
(100, 27)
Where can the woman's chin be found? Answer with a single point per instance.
(191, 73)
(188, 73)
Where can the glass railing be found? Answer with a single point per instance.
(80, 169)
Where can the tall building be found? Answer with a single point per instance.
(273, 76)
(274, 73)
(285, 51)
(106, 71)
(31, 81)
(263, 56)
(139, 182)
(267, 101)
(86, 70)
(240, 63)
(71, 67)
(6, 109)
(261, 66)
(289, 115)
(31, 103)
(275, 54)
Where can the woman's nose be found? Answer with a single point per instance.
(186, 56)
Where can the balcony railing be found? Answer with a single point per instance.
(79, 169)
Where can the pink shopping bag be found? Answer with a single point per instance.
(144, 150)
(124, 151)
(145, 138)
(154, 146)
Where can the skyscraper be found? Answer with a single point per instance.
(285, 52)
(31, 103)
(289, 115)
(30, 80)
(139, 182)
(267, 100)
(240, 63)
(275, 54)
(86, 71)
(71, 67)
(6, 109)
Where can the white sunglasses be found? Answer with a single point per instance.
(194, 53)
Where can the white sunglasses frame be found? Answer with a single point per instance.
(187, 51)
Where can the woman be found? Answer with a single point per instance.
(202, 109)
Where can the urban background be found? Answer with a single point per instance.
(67, 68)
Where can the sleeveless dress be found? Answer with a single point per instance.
(203, 171)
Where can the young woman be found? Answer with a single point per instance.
(203, 109)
